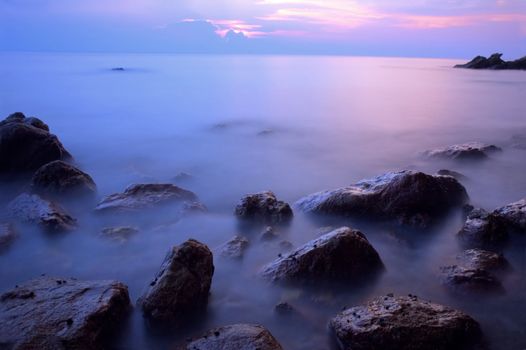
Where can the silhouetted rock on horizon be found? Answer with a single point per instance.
(494, 62)
(26, 145)
(398, 323)
(61, 178)
(412, 198)
(341, 256)
(263, 208)
(234, 337)
(464, 151)
(61, 313)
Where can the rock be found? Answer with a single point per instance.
(235, 337)
(26, 145)
(48, 215)
(182, 177)
(343, 255)
(265, 132)
(263, 208)
(193, 208)
(398, 323)
(482, 259)
(514, 214)
(7, 235)
(118, 69)
(286, 246)
(268, 234)
(483, 229)
(61, 178)
(235, 248)
(465, 151)
(56, 313)
(145, 196)
(284, 308)
(518, 141)
(181, 286)
(464, 280)
(456, 175)
(494, 62)
(120, 234)
(412, 198)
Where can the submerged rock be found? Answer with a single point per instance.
(514, 214)
(268, 234)
(181, 287)
(466, 280)
(235, 248)
(494, 62)
(483, 229)
(412, 198)
(56, 313)
(48, 215)
(455, 174)
(263, 208)
(235, 337)
(399, 323)
(465, 151)
(120, 234)
(61, 178)
(145, 196)
(7, 235)
(343, 255)
(26, 145)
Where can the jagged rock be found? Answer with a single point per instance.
(145, 196)
(235, 337)
(514, 214)
(57, 313)
(483, 229)
(120, 234)
(34, 209)
(401, 323)
(412, 198)
(455, 174)
(181, 287)
(494, 62)
(26, 145)
(464, 151)
(343, 255)
(235, 248)
(263, 208)
(465, 280)
(61, 178)
(7, 235)
(482, 259)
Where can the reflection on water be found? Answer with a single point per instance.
(241, 124)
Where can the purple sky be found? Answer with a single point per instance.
(436, 28)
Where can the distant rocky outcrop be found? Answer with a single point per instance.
(494, 62)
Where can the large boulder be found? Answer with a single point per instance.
(234, 337)
(181, 287)
(263, 208)
(7, 235)
(57, 313)
(514, 214)
(342, 255)
(483, 229)
(26, 145)
(404, 323)
(34, 209)
(145, 196)
(410, 197)
(464, 151)
(61, 178)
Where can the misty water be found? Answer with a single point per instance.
(243, 124)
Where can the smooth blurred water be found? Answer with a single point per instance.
(291, 124)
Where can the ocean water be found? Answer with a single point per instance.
(290, 124)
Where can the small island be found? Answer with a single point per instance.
(494, 62)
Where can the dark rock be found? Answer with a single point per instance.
(263, 208)
(118, 69)
(7, 235)
(235, 337)
(53, 313)
(343, 255)
(26, 145)
(235, 248)
(494, 62)
(465, 151)
(120, 234)
(455, 174)
(284, 308)
(265, 132)
(482, 259)
(61, 178)
(268, 234)
(286, 246)
(48, 215)
(464, 280)
(181, 286)
(402, 323)
(145, 196)
(412, 198)
(483, 229)
(514, 214)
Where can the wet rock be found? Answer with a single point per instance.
(514, 214)
(482, 259)
(343, 255)
(56, 313)
(181, 287)
(48, 215)
(235, 337)
(61, 178)
(464, 280)
(268, 234)
(455, 174)
(398, 323)
(263, 208)
(412, 198)
(483, 229)
(145, 196)
(7, 235)
(120, 234)
(494, 62)
(26, 145)
(235, 248)
(465, 151)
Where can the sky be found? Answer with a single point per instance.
(407, 28)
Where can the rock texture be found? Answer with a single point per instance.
(235, 337)
(455, 174)
(342, 255)
(119, 234)
(26, 145)
(465, 151)
(494, 62)
(412, 198)
(7, 235)
(464, 280)
(181, 286)
(56, 313)
(34, 209)
(514, 214)
(404, 323)
(234, 248)
(61, 178)
(482, 259)
(483, 229)
(263, 208)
